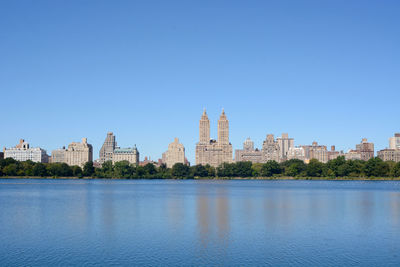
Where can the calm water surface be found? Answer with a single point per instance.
(224, 223)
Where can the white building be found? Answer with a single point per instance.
(126, 154)
(22, 152)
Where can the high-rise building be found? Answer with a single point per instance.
(296, 153)
(76, 154)
(316, 151)
(394, 142)
(393, 152)
(107, 150)
(389, 154)
(248, 153)
(130, 154)
(22, 152)
(270, 149)
(285, 143)
(366, 149)
(333, 154)
(210, 151)
(174, 154)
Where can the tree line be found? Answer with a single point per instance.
(337, 168)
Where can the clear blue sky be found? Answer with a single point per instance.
(327, 71)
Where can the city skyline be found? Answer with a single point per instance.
(221, 150)
(317, 70)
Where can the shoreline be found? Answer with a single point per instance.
(217, 178)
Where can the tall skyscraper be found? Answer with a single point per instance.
(209, 151)
(285, 143)
(223, 129)
(107, 150)
(204, 129)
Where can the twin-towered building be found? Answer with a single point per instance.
(210, 151)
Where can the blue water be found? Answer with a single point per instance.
(192, 223)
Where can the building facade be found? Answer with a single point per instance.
(353, 155)
(77, 154)
(393, 152)
(389, 154)
(296, 153)
(316, 151)
(248, 153)
(22, 152)
(126, 154)
(366, 149)
(213, 152)
(394, 142)
(174, 154)
(271, 149)
(107, 150)
(285, 143)
(333, 154)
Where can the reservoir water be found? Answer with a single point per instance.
(199, 223)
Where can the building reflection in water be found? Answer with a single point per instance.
(175, 209)
(203, 214)
(395, 208)
(213, 216)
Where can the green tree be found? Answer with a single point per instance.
(40, 170)
(88, 169)
(294, 167)
(199, 171)
(354, 168)
(180, 170)
(10, 170)
(122, 169)
(26, 168)
(226, 170)
(59, 170)
(376, 167)
(256, 169)
(396, 170)
(338, 166)
(140, 172)
(210, 170)
(150, 170)
(270, 168)
(77, 171)
(314, 168)
(242, 169)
